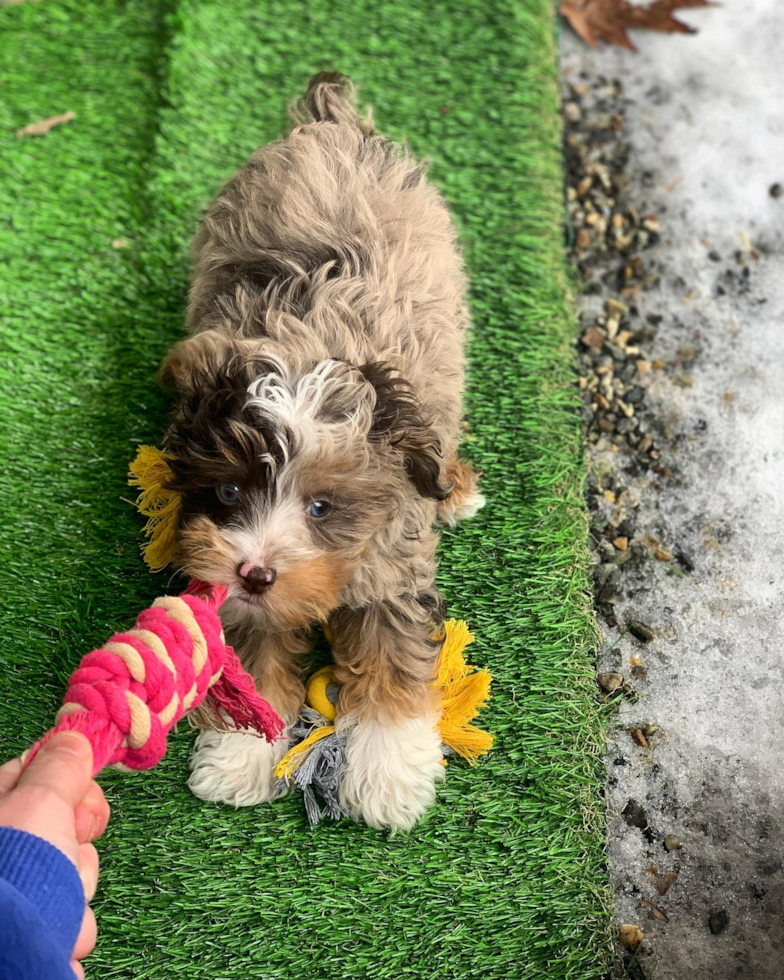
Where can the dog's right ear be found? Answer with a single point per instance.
(190, 363)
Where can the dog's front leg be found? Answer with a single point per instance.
(237, 767)
(386, 663)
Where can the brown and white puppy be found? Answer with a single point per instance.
(314, 443)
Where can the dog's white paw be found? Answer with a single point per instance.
(392, 771)
(236, 768)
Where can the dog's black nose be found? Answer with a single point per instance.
(255, 579)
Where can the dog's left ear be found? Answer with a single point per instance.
(398, 419)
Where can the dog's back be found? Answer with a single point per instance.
(330, 243)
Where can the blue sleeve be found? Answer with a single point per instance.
(41, 908)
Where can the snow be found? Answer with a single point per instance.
(706, 117)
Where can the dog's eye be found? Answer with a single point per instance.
(319, 508)
(228, 493)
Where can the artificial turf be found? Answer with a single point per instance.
(505, 876)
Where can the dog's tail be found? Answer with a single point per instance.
(332, 98)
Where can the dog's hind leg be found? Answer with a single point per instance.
(464, 499)
(236, 767)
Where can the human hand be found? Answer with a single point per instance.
(57, 799)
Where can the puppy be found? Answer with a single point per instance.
(314, 441)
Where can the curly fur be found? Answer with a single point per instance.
(327, 318)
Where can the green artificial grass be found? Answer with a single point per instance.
(505, 877)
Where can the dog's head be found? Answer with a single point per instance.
(288, 472)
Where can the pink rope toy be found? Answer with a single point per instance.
(128, 695)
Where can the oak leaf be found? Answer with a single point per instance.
(610, 19)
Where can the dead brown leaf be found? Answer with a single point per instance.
(610, 19)
(42, 127)
(656, 913)
(665, 882)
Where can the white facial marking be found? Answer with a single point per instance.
(276, 536)
(295, 408)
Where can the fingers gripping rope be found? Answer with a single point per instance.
(128, 695)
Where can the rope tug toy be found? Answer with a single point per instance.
(127, 696)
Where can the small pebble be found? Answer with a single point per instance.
(610, 682)
(593, 337)
(672, 843)
(718, 922)
(630, 936)
(659, 552)
(614, 307)
(635, 395)
(776, 190)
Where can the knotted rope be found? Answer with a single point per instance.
(127, 696)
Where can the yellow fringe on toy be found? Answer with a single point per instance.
(464, 692)
(285, 768)
(150, 472)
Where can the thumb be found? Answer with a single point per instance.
(63, 765)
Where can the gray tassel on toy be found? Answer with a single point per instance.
(319, 776)
(320, 773)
